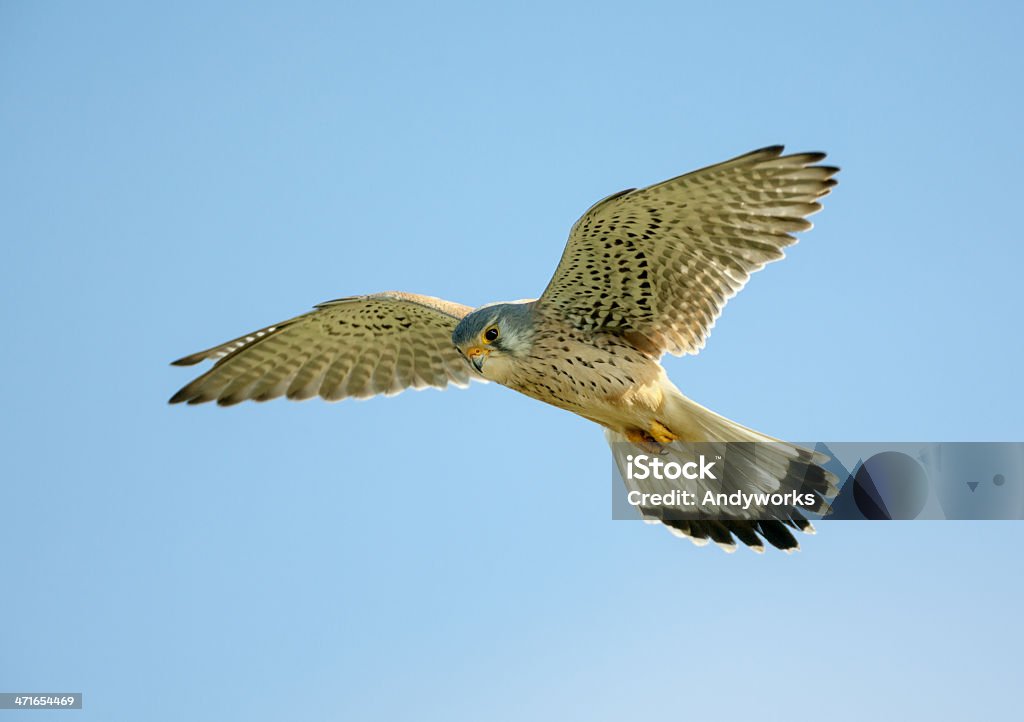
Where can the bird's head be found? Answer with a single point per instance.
(493, 337)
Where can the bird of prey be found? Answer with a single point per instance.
(644, 272)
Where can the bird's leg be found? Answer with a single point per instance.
(661, 433)
(645, 441)
(636, 436)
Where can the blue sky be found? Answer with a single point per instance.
(174, 175)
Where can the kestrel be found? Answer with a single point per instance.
(645, 272)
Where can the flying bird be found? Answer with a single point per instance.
(645, 272)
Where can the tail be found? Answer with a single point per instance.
(755, 471)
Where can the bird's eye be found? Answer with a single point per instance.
(491, 334)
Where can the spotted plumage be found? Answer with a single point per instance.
(644, 272)
(359, 347)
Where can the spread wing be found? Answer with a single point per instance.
(657, 265)
(359, 346)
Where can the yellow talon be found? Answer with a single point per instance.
(636, 436)
(661, 433)
(644, 441)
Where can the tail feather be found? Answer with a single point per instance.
(752, 463)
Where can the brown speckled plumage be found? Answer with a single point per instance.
(353, 347)
(644, 272)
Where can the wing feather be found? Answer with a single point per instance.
(658, 264)
(352, 347)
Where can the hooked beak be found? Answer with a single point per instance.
(477, 356)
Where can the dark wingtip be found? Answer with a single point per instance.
(188, 394)
(769, 152)
(190, 360)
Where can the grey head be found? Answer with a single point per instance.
(493, 337)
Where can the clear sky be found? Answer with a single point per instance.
(176, 174)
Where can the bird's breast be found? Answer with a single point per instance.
(594, 378)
